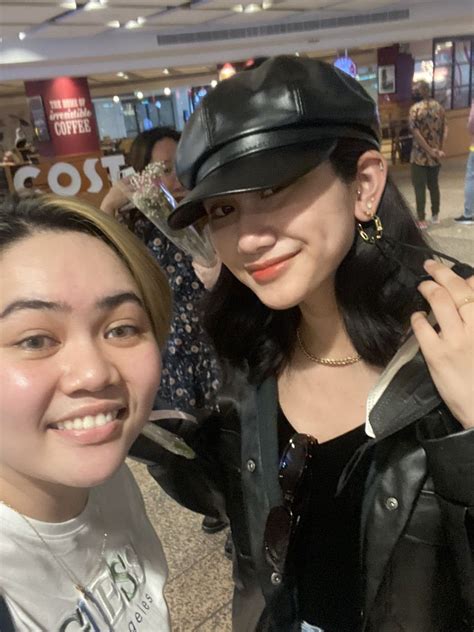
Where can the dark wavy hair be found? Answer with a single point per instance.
(142, 146)
(139, 158)
(376, 293)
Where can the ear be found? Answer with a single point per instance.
(369, 184)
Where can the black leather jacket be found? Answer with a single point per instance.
(417, 525)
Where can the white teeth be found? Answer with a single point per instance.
(101, 420)
(89, 421)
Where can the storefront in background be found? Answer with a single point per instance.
(126, 116)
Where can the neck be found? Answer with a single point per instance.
(41, 500)
(322, 327)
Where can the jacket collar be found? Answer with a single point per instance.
(404, 393)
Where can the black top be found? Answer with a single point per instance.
(325, 554)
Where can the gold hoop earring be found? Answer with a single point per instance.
(371, 239)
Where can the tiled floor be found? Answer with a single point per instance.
(200, 586)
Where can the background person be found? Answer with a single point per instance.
(190, 376)
(80, 365)
(468, 216)
(428, 125)
(336, 374)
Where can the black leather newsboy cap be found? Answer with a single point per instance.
(266, 127)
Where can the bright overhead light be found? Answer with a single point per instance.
(116, 99)
(113, 24)
(167, 91)
(69, 4)
(139, 94)
(213, 83)
(166, 71)
(94, 5)
(297, 54)
(21, 35)
(141, 20)
(252, 8)
(120, 74)
(132, 24)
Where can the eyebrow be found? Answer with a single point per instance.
(115, 300)
(108, 302)
(38, 304)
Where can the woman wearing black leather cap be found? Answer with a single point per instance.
(344, 450)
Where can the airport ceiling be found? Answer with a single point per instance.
(168, 41)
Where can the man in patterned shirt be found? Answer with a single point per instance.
(428, 126)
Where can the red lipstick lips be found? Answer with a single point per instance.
(269, 270)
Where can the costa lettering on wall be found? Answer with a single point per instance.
(68, 113)
(87, 176)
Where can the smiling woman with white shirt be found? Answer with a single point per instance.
(84, 311)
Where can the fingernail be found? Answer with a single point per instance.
(429, 263)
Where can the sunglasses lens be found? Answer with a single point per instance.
(293, 463)
(277, 535)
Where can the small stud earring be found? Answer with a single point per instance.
(358, 194)
(369, 205)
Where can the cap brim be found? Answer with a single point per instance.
(261, 170)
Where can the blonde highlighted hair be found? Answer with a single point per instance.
(24, 216)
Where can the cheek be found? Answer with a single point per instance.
(143, 372)
(224, 240)
(26, 391)
(25, 395)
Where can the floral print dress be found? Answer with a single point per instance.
(190, 374)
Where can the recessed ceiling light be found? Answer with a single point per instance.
(213, 83)
(69, 4)
(124, 76)
(132, 24)
(116, 99)
(141, 20)
(167, 91)
(297, 54)
(113, 24)
(21, 35)
(252, 8)
(120, 74)
(238, 8)
(166, 71)
(267, 4)
(139, 94)
(93, 5)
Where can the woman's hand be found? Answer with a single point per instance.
(450, 353)
(115, 198)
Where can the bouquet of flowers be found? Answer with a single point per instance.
(150, 196)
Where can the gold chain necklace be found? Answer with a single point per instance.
(326, 361)
(75, 582)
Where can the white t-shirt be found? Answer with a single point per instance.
(126, 583)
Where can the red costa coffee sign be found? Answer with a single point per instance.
(68, 116)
